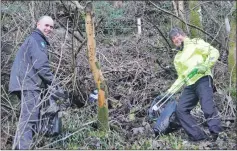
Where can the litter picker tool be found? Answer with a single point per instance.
(190, 75)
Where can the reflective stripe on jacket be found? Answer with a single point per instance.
(195, 51)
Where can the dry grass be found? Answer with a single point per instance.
(133, 76)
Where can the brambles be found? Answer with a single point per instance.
(128, 64)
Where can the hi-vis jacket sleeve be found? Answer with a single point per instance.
(210, 53)
(175, 86)
(178, 82)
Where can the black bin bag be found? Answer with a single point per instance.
(165, 118)
(50, 123)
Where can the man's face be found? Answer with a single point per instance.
(177, 40)
(45, 25)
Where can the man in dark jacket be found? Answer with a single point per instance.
(29, 74)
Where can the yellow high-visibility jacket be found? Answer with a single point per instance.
(195, 51)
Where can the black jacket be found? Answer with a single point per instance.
(31, 70)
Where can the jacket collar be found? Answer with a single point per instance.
(184, 43)
(42, 35)
(186, 40)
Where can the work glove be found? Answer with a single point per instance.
(201, 68)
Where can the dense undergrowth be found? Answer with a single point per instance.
(136, 68)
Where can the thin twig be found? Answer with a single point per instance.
(83, 128)
(71, 32)
(85, 40)
(160, 32)
(191, 25)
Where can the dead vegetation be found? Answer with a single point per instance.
(136, 68)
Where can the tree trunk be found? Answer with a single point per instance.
(195, 18)
(179, 10)
(175, 8)
(232, 49)
(95, 67)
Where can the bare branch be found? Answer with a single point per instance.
(191, 25)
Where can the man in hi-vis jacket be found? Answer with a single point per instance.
(29, 74)
(195, 53)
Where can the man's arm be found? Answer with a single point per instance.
(40, 62)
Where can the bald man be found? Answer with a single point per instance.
(31, 73)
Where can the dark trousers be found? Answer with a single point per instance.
(202, 90)
(29, 117)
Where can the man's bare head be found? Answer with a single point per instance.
(45, 24)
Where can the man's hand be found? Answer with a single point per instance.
(201, 68)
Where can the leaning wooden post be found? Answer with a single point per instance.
(95, 67)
